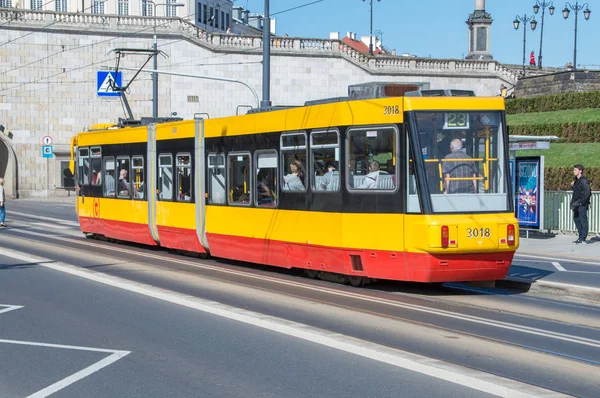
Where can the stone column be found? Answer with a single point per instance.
(479, 32)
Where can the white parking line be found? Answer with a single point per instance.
(55, 220)
(114, 356)
(463, 376)
(567, 259)
(9, 308)
(558, 266)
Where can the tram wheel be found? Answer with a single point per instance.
(312, 274)
(357, 281)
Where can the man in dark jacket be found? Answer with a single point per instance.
(580, 203)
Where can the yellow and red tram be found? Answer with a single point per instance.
(352, 188)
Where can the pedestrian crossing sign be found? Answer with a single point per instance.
(107, 82)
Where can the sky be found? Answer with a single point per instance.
(437, 28)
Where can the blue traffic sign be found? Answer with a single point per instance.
(107, 82)
(47, 151)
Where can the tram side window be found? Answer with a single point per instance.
(109, 176)
(293, 158)
(165, 177)
(325, 160)
(240, 192)
(96, 165)
(124, 184)
(137, 179)
(266, 179)
(372, 160)
(84, 166)
(184, 177)
(414, 206)
(216, 179)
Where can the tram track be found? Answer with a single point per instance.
(394, 309)
(340, 291)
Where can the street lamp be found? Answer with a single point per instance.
(379, 33)
(371, 30)
(155, 47)
(586, 14)
(536, 9)
(533, 24)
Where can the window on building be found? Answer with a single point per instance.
(204, 14)
(211, 19)
(137, 179)
(216, 179)
(372, 160)
(123, 7)
(66, 177)
(293, 157)
(227, 21)
(217, 18)
(97, 7)
(36, 5)
(199, 12)
(325, 160)
(165, 177)
(171, 10)
(109, 176)
(266, 179)
(147, 10)
(124, 185)
(184, 177)
(60, 5)
(6, 3)
(223, 27)
(96, 165)
(84, 166)
(240, 190)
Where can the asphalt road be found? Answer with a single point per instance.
(177, 351)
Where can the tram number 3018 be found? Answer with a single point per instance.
(391, 110)
(478, 233)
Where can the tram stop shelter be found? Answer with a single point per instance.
(527, 175)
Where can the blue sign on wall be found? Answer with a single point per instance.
(47, 151)
(106, 83)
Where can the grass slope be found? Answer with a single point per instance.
(566, 155)
(558, 117)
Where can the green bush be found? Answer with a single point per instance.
(567, 132)
(560, 178)
(557, 102)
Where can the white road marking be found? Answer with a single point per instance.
(567, 259)
(55, 220)
(558, 266)
(114, 356)
(467, 377)
(53, 226)
(357, 296)
(9, 308)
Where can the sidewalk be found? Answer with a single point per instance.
(560, 246)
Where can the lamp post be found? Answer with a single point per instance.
(155, 48)
(371, 30)
(586, 14)
(533, 24)
(536, 8)
(379, 33)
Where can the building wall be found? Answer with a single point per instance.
(49, 87)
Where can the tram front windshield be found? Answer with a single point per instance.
(464, 157)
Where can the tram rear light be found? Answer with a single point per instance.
(510, 234)
(445, 236)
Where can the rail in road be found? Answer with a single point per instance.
(512, 342)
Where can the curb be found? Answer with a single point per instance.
(555, 288)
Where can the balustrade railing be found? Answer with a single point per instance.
(231, 41)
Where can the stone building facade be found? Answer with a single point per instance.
(49, 63)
